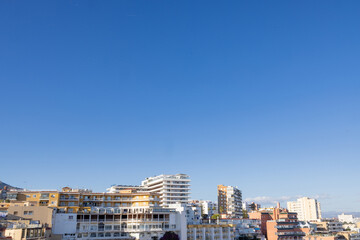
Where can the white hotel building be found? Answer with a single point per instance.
(173, 189)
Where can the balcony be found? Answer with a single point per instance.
(69, 199)
(44, 197)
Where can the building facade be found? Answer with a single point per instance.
(284, 225)
(229, 201)
(346, 218)
(119, 223)
(210, 231)
(76, 200)
(308, 209)
(208, 208)
(172, 189)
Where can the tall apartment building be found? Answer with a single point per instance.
(172, 188)
(229, 201)
(307, 209)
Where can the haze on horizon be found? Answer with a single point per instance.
(255, 94)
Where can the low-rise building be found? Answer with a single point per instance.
(73, 200)
(210, 231)
(208, 208)
(328, 226)
(114, 223)
(30, 210)
(328, 236)
(245, 228)
(346, 218)
(21, 231)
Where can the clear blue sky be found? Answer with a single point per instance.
(264, 95)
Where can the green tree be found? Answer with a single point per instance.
(245, 214)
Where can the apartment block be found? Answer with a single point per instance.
(77, 200)
(229, 201)
(119, 223)
(346, 218)
(172, 189)
(210, 231)
(284, 226)
(308, 209)
(329, 226)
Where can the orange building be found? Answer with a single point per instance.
(279, 224)
(77, 200)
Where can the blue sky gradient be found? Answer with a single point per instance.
(258, 94)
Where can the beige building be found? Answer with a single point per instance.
(22, 231)
(30, 210)
(210, 231)
(307, 209)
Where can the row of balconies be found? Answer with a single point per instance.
(290, 233)
(107, 235)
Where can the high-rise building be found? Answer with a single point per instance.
(229, 201)
(307, 209)
(172, 188)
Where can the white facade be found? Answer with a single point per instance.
(346, 218)
(192, 212)
(172, 188)
(120, 223)
(210, 231)
(249, 228)
(64, 223)
(307, 209)
(208, 207)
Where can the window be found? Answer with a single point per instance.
(71, 217)
(15, 213)
(34, 195)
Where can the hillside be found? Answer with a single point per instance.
(3, 185)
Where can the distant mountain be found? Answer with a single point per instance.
(3, 185)
(334, 214)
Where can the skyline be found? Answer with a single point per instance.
(259, 95)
